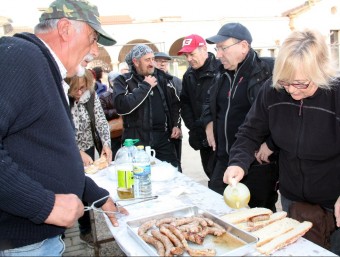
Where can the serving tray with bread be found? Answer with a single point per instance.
(180, 193)
(273, 230)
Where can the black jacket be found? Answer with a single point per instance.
(307, 133)
(195, 85)
(132, 100)
(242, 89)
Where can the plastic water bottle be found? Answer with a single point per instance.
(124, 169)
(142, 173)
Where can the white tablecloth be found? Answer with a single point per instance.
(175, 192)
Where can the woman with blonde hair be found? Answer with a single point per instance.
(89, 118)
(300, 108)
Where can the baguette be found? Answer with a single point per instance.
(285, 239)
(260, 217)
(101, 163)
(253, 226)
(245, 215)
(91, 169)
(274, 229)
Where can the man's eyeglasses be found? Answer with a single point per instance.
(223, 48)
(297, 84)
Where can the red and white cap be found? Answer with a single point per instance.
(190, 43)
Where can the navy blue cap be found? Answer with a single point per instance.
(231, 30)
(162, 55)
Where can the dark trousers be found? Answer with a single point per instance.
(207, 159)
(165, 148)
(178, 148)
(84, 221)
(335, 235)
(116, 143)
(261, 181)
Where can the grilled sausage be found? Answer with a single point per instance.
(179, 247)
(156, 243)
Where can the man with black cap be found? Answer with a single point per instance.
(149, 104)
(240, 77)
(196, 82)
(162, 62)
(42, 176)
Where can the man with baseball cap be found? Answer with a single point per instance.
(79, 10)
(41, 173)
(231, 30)
(196, 82)
(163, 62)
(241, 76)
(190, 43)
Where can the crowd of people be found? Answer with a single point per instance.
(273, 124)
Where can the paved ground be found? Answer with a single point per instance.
(191, 166)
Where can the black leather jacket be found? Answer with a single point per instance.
(131, 96)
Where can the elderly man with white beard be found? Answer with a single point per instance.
(42, 176)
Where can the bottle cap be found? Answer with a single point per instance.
(130, 142)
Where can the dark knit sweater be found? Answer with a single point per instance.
(38, 154)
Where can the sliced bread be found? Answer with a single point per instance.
(245, 214)
(253, 226)
(285, 239)
(274, 230)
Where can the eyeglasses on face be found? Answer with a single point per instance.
(223, 48)
(296, 84)
(81, 89)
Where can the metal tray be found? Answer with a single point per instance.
(237, 242)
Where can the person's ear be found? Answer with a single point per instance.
(135, 62)
(245, 46)
(64, 28)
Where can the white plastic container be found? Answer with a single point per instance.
(142, 173)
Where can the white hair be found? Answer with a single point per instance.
(51, 24)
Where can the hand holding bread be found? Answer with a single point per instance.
(97, 165)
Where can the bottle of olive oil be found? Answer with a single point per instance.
(124, 169)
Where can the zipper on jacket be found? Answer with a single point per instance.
(303, 180)
(226, 114)
(231, 95)
(300, 110)
(298, 147)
